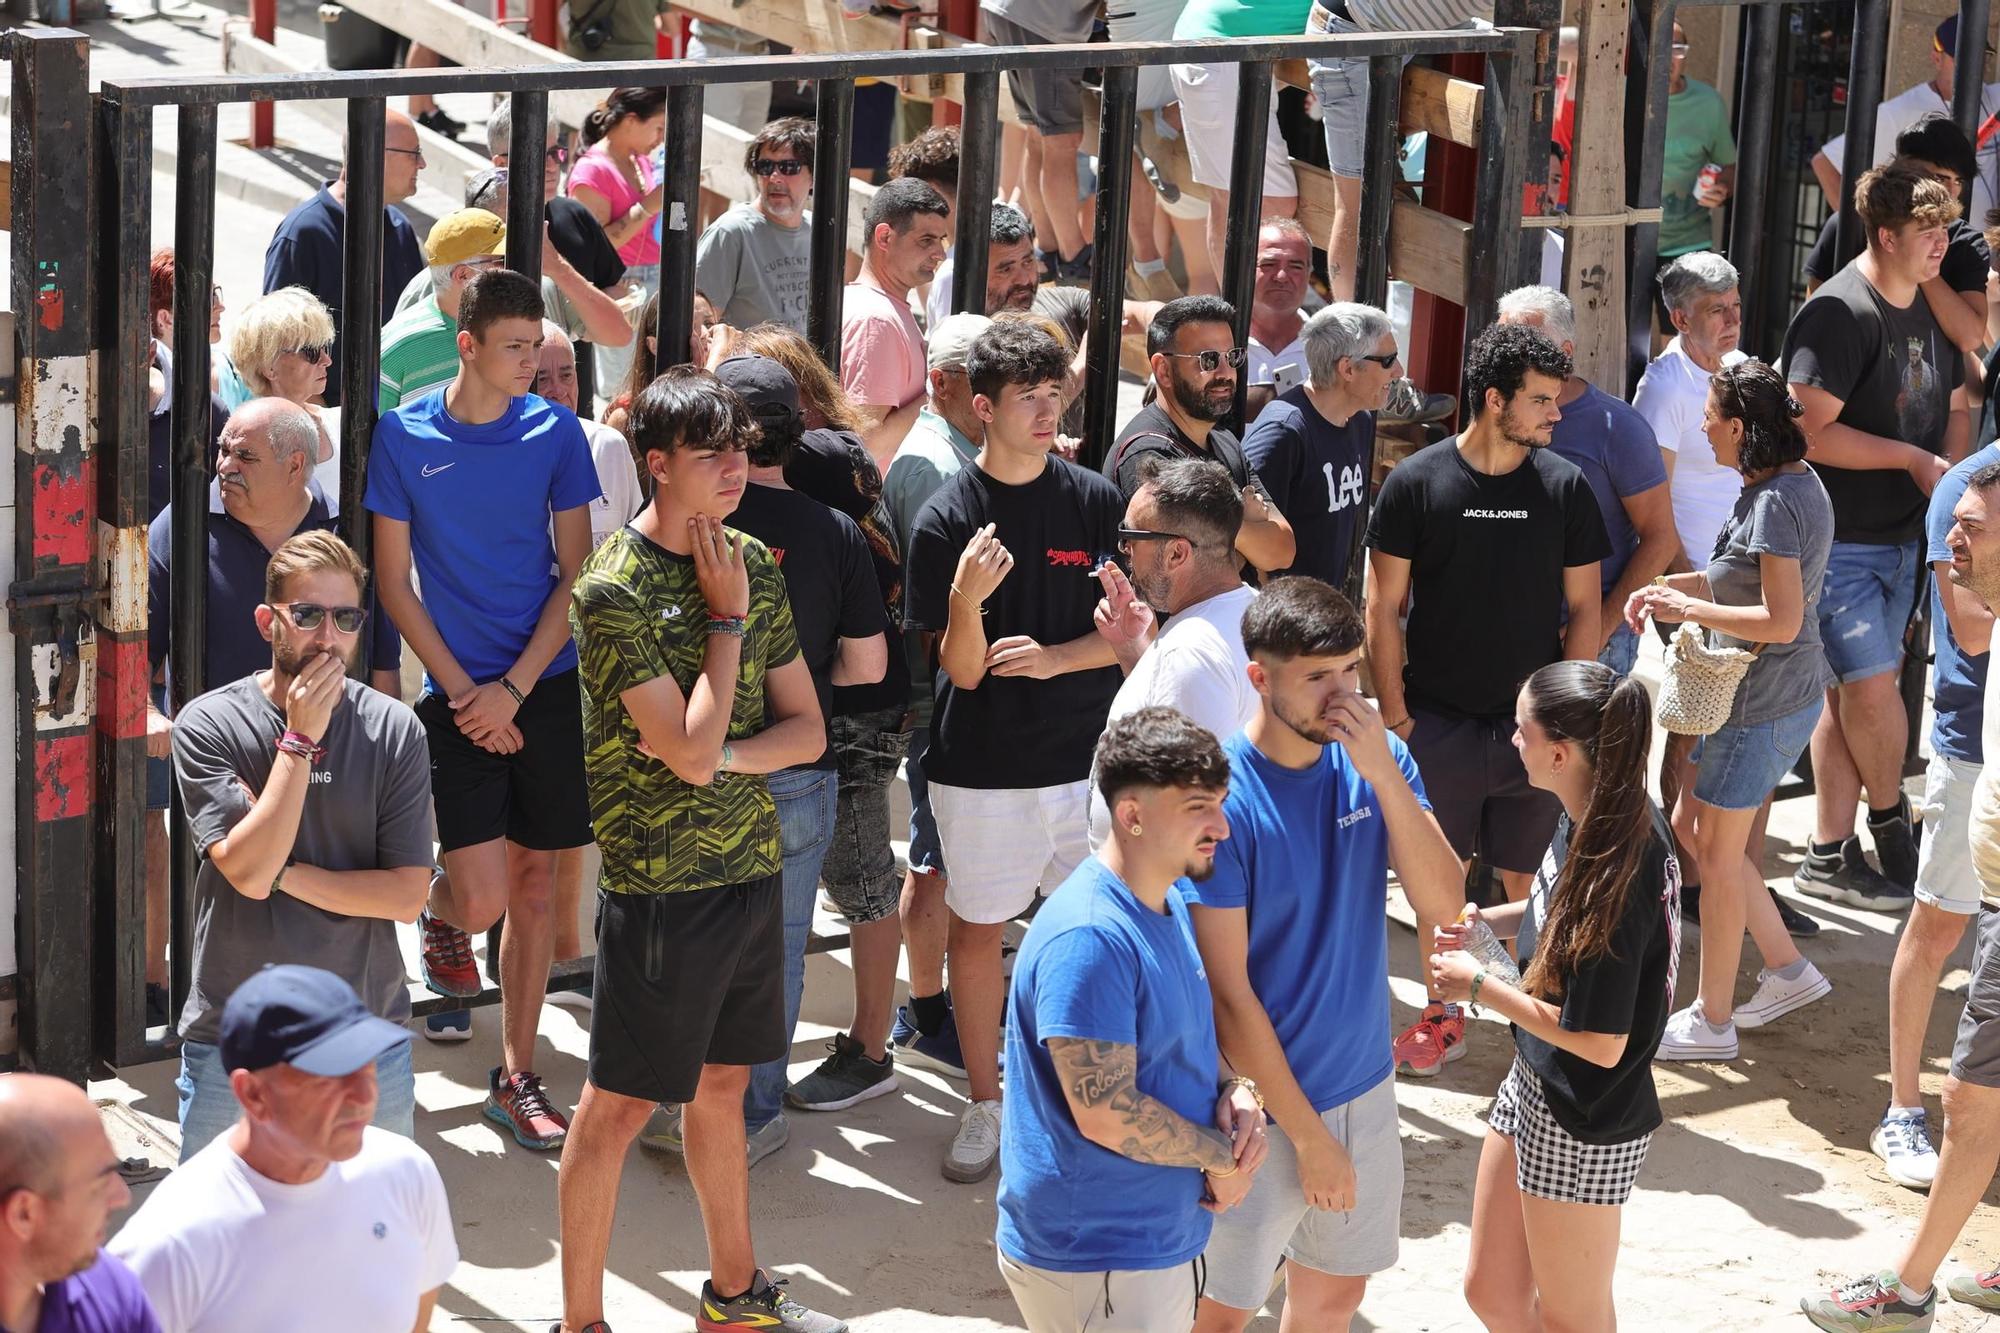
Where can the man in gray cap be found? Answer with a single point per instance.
(303, 1206)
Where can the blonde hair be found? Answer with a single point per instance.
(311, 553)
(819, 392)
(273, 324)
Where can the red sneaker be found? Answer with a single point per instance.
(1432, 1042)
(447, 958)
(519, 1103)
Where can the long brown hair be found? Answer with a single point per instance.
(1610, 719)
(645, 365)
(826, 404)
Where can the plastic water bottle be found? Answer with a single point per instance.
(1483, 944)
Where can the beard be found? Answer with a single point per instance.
(1312, 727)
(1514, 432)
(291, 658)
(1019, 297)
(1213, 403)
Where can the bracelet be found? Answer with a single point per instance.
(1391, 726)
(1472, 1000)
(302, 745)
(1249, 1085)
(727, 625)
(980, 607)
(508, 685)
(728, 757)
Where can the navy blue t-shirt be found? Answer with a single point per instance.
(1307, 858)
(478, 500)
(160, 437)
(104, 1298)
(309, 250)
(1620, 457)
(1316, 473)
(1958, 685)
(1099, 965)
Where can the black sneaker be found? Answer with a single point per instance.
(1846, 877)
(1075, 272)
(1895, 840)
(437, 122)
(844, 1078)
(1797, 924)
(764, 1306)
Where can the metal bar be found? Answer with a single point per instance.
(361, 324)
(1756, 97)
(1378, 185)
(264, 27)
(527, 161)
(832, 151)
(1246, 214)
(1969, 77)
(683, 209)
(1117, 128)
(1864, 95)
(1644, 238)
(1501, 177)
(978, 170)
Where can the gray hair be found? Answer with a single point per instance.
(1557, 315)
(488, 190)
(285, 426)
(1010, 226)
(500, 129)
(1341, 332)
(1703, 273)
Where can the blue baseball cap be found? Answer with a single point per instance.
(305, 1017)
(1947, 36)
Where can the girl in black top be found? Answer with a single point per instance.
(1597, 939)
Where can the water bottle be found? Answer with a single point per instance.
(1483, 944)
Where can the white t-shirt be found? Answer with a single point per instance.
(1198, 666)
(617, 476)
(220, 1248)
(1671, 396)
(1905, 109)
(1285, 367)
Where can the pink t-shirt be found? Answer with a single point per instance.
(596, 170)
(881, 348)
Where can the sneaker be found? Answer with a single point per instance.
(916, 1049)
(1775, 997)
(1048, 266)
(437, 122)
(1075, 272)
(976, 1146)
(1847, 877)
(1869, 1305)
(844, 1078)
(519, 1103)
(1981, 1291)
(767, 1138)
(1432, 1042)
(454, 1026)
(1903, 1143)
(1410, 406)
(446, 958)
(1797, 924)
(581, 999)
(764, 1306)
(1895, 840)
(663, 1129)
(1689, 1037)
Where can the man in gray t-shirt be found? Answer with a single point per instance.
(754, 263)
(308, 795)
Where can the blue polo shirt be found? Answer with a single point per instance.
(478, 500)
(309, 250)
(236, 562)
(1958, 685)
(1619, 455)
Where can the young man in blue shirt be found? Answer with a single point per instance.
(467, 484)
(1111, 1045)
(1322, 802)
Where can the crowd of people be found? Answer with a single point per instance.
(704, 615)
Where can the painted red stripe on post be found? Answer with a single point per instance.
(123, 672)
(62, 536)
(62, 777)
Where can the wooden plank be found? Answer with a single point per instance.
(476, 43)
(1594, 257)
(1427, 249)
(1433, 102)
(6, 189)
(821, 26)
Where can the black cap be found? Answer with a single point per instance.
(769, 389)
(305, 1017)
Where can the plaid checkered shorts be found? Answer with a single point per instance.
(1550, 1162)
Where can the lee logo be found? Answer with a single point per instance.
(1068, 559)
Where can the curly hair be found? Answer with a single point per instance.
(791, 132)
(824, 403)
(1500, 359)
(1892, 197)
(1755, 394)
(931, 156)
(275, 323)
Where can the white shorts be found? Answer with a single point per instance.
(1945, 877)
(1146, 21)
(1208, 124)
(1120, 1301)
(1275, 1222)
(1004, 845)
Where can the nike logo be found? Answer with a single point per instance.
(429, 471)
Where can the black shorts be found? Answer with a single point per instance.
(534, 797)
(1050, 100)
(1479, 790)
(685, 980)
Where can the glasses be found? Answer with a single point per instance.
(308, 615)
(1387, 362)
(315, 354)
(215, 295)
(771, 166)
(1127, 536)
(1211, 360)
(417, 153)
(558, 154)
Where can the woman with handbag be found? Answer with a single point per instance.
(1755, 595)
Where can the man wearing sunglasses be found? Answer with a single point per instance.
(755, 260)
(308, 795)
(1191, 344)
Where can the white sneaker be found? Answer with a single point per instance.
(1775, 997)
(976, 1146)
(1903, 1143)
(1689, 1037)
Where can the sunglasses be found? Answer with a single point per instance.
(558, 154)
(1212, 359)
(315, 354)
(771, 166)
(1387, 362)
(308, 615)
(1127, 536)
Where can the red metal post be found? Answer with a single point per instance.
(542, 21)
(264, 27)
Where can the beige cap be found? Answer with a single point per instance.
(953, 338)
(470, 233)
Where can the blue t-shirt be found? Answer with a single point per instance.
(1315, 473)
(478, 500)
(104, 1298)
(1099, 965)
(1958, 687)
(1620, 457)
(1308, 857)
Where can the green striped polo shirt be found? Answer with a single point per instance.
(419, 353)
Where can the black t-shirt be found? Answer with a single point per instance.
(1487, 556)
(1011, 731)
(828, 579)
(1316, 474)
(1152, 431)
(1894, 372)
(1629, 990)
(1966, 259)
(835, 468)
(580, 239)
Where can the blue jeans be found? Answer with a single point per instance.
(208, 1107)
(1737, 767)
(1622, 652)
(807, 803)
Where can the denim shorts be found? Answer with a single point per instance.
(1621, 654)
(1341, 87)
(1865, 606)
(208, 1107)
(1737, 767)
(860, 868)
(926, 851)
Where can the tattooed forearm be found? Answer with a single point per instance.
(1099, 1079)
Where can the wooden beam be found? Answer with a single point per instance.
(1427, 249)
(6, 189)
(821, 26)
(1594, 257)
(1433, 102)
(474, 42)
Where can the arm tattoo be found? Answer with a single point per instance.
(1103, 1074)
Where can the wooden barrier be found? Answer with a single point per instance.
(1433, 102)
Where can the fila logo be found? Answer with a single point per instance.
(671, 612)
(429, 471)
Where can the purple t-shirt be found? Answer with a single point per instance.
(104, 1298)
(1620, 457)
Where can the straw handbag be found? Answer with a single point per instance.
(1700, 683)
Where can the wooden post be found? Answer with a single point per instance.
(1594, 256)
